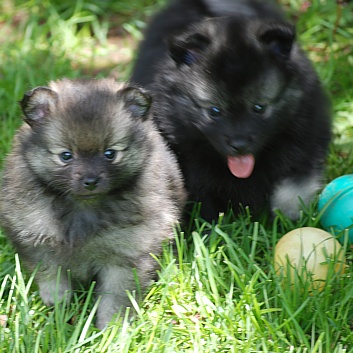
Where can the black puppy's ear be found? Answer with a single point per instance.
(137, 101)
(279, 37)
(36, 104)
(188, 51)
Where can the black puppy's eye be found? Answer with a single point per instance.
(259, 108)
(109, 154)
(66, 156)
(189, 58)
(214, 112)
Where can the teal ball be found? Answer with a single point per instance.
(336, 205)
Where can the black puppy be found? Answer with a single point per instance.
(239, 103)
(179, 15)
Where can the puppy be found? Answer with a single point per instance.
(239, 103)
(90, 188)
(177, 16)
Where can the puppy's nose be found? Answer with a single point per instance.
(90, 183)
(238, 147)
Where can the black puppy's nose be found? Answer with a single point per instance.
(90, 183)
(238, 147)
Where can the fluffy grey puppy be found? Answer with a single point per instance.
(90, 188)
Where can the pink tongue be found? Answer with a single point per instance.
(241, 166)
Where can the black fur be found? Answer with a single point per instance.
(235, 86)
(176, 17)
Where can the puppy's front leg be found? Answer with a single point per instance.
(113, 282)
(53, 284)
(290, 193)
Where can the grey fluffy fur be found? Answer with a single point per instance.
(66, 203)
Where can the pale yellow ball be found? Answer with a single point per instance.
(304, 257)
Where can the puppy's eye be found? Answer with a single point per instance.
(110, 154)
(259, 108)
(214, 112)
(66, 156)
(190, 58)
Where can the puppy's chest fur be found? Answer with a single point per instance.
(113, 234)
(56, 223)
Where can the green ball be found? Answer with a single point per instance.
(336, 203)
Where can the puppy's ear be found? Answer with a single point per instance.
(188, 51)
(36, 104)
(279, 37)
(137, 101)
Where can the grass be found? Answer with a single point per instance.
(220, 292)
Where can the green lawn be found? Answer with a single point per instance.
(220, 292)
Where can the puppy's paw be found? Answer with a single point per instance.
(52, 291)
(107, 310)
(113, 282)
(291, 194)
(107, 315)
